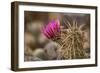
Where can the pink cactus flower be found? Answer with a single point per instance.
(52, 29)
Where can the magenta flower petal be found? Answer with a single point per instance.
(51, 29)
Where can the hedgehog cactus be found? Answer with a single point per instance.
(72, 42)
(71, 39)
